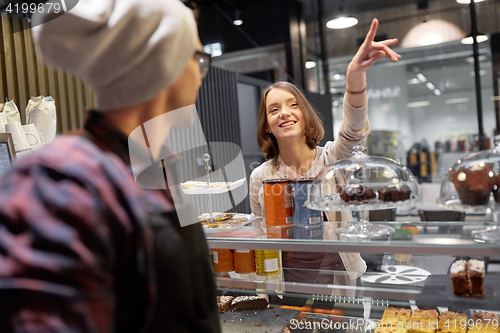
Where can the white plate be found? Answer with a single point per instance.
(235, 226)
(232, 186)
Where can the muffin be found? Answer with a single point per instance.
(474, 185)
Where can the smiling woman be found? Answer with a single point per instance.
(288, 133)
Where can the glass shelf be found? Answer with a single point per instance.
(450, 238)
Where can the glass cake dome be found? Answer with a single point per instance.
(363, 183)
(472, 185)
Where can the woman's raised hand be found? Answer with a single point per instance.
(370, 51)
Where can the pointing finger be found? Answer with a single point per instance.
(373, 31)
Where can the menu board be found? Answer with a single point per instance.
(5, 158)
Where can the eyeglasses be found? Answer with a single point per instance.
(204, 60)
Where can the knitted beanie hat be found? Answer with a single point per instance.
(127, 51)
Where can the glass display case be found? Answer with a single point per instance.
(363, 183)
(413, 272)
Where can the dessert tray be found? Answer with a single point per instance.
(235, 222)
(473, 186)
(363, 183)
(201, 187)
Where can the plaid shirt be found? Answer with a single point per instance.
(76, 249)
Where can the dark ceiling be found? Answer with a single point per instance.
(266, 22)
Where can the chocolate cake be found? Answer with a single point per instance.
(474, 185)
(458, 273)
(249, 302)
(224, 303)
(355, 193)
(394, 193)
(475, 274)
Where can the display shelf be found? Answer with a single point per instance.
(437, 240)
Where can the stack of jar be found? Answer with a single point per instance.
(286, 213)
(308, 223)
(262, 262)
(240, 261)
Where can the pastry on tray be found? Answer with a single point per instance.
(451, 322)
(394, 193)
(475, 274)
(355, 192)
(249, 303)
(484, 322)
(217, 216)
(467, 278)
(458, 274)
(224, 303)
(196, 184)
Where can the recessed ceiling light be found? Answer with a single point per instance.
(466, 2)
(471, 59)
(238, 22)
(421, 77)
(480, 38)
(418, 104)
(342, 23)
(430, 85)
(457, 100)
(338, 77)
(414, 81)
(481, 72)
(310, 64)
(437, 92)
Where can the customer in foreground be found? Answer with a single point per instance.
(83, 248)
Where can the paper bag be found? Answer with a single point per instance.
(41, 112)
(12, 112)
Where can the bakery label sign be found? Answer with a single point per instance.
(37, 12)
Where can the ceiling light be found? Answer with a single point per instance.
(310, 64)
(466, 2)
(237, 20)
(338, 77)
(342, 23)
(480, 38)
(430, 85)
(418, 104)
(480, 58)
(457, 100)
(421, 77)
(481, 72)
(437, 92)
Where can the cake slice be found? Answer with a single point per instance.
(475, 274)
(422, 321)
(420, 325)
(391, 330)
(249, 302)
(458, 274)
(224, 303)
(424, 314)
(451, 322)
(484, 322)
(396, 315)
